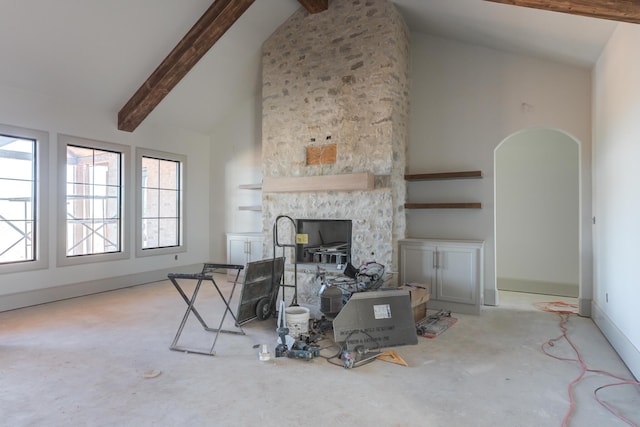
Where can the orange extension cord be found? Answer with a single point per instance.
(565, 310)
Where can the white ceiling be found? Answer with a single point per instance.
(98, 52)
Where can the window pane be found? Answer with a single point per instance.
(79, 201)
(79, 163)
(16, 158)
(105, 203)
(168, 232)
(112, 203)
(106, 236)
(150, 169)
(76, 191)
(168, 204)
(150, 233)
(79, 240)
(93, 201)
(107, 168)
(169, 174)
(16, 238)
(150, 197)
(17, 199)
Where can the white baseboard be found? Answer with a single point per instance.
(453, 307)
(538, 287)
(57, 293)
(490, 297)
(584, 307)
(625, 348)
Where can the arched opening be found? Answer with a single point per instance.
(537, 205)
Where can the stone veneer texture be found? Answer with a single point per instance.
(339, 77)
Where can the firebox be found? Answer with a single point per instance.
(328, 241)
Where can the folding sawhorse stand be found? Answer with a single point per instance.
(205, 275)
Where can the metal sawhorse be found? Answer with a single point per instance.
(205, 275)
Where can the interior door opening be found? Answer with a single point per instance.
(537, 199)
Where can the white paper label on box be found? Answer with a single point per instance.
(382, 311)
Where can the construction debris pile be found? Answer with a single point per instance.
(359, 315)
(363, 316)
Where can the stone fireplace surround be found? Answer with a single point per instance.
(338, 77)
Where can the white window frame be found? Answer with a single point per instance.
(182, 159)
(42, 190)
(124, 253)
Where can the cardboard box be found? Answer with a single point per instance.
(419, 293)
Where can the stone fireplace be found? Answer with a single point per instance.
(335, 106)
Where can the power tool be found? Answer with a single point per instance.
(299, 349)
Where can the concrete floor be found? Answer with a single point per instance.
(85, 361)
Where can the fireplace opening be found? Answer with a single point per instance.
(328, 241)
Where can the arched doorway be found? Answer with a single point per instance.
(537, 205)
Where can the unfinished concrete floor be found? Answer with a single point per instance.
(85, 362)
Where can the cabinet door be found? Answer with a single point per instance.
(458, 275)
(237, 250)
(254, 246)
(417, 265)
(236, 254)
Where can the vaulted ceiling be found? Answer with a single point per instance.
(98, 53)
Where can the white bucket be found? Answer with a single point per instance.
(297, 320)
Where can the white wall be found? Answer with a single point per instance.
(616, 194)
(465, 100)
(235, 160)
(536, 203)
(56, 116)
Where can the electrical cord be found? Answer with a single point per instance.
(564, 319)
(345, 347)
(333, 356)
(609, 407)
(323, 337)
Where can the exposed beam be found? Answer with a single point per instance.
(616, 10)
(315, 6)
(220, 16)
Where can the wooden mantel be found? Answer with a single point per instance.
(297, 184)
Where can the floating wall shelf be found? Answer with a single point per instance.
(250, 186)
(441, 176)
(464, 205)
(256, 208)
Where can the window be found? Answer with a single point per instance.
(17, 198)
(94, 200)
(160, 192)
(23, 234)
(160, 202)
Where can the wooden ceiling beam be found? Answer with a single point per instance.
(220, 16)
(315, 6)
(616, 10)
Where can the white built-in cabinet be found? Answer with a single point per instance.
(453, 269)
(243, 248)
